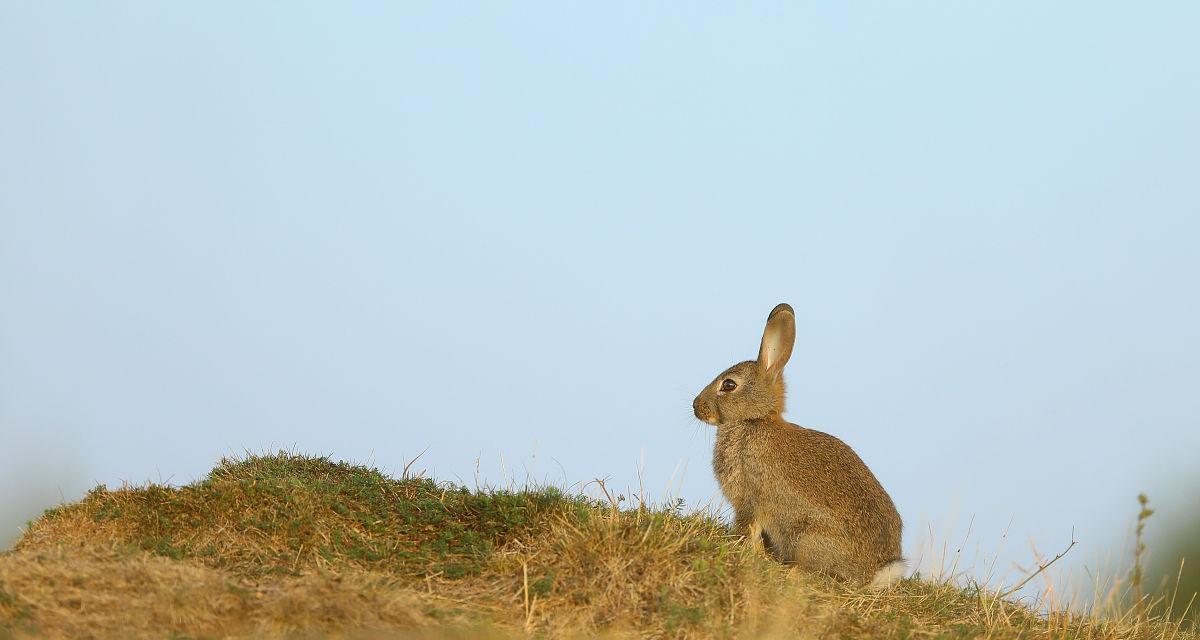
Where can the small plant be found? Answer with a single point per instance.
(1139, 551)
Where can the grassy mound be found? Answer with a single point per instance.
(273, 546)
(285, 514)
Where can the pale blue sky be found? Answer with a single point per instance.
(535, 231)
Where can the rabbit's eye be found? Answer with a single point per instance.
(728, 385)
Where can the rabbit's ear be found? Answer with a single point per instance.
(778, 338)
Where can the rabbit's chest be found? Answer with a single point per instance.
(734, 466)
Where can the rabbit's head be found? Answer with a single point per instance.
(752, 389)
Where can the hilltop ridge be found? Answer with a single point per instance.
(274, 545)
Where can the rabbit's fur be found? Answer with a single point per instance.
(815, 502)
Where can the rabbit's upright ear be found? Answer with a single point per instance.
(778, 338)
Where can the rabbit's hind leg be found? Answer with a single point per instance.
(816, 553)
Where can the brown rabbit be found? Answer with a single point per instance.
(806, 493)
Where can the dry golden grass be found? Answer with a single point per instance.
(84, 592)
(293, 546)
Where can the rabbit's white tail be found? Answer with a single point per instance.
(888, 575)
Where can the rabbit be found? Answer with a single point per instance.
(805, 495)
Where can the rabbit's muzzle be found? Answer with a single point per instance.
(704, 411)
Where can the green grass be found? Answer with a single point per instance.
(279, 514)
(286, 544)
